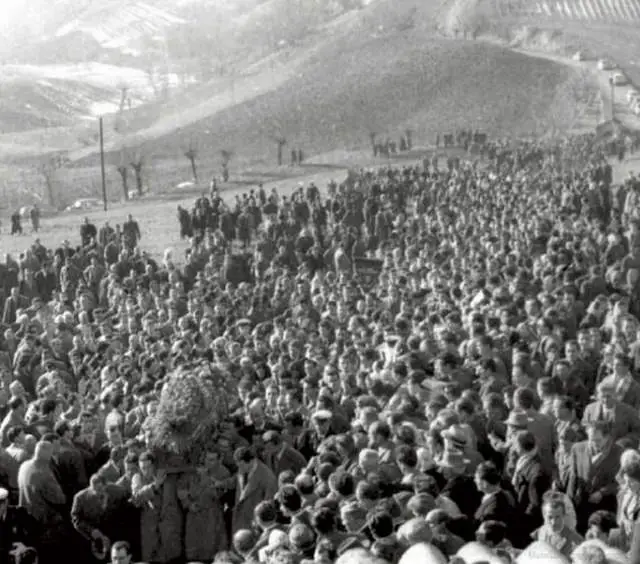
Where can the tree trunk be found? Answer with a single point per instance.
(137, 169)
(193, 169)
(125, 184)
(280, 147)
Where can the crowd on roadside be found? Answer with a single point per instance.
(483, 387)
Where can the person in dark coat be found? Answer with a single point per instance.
(12, 304)
(530, 482)
(279, 456)
(96, 510)
(131, 232)
(16, 225)
(459, 486)
(69, 462)
(594, 466)
(88, 232)
(497, 504)
(17, 530)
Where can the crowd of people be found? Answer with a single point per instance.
(483, 387)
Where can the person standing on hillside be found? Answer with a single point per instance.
(88, 232)
(16, 226)
(35, 218)
(131, 233)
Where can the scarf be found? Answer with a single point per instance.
(521, 464)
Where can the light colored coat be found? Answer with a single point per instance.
(41, 495)
(261, 484)
(161, 519)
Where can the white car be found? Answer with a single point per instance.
(606, 64)
(188, 185)
(619, 79)
(85, 204)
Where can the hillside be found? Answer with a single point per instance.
(351, 88)
(348, 73)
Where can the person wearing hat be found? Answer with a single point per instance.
(459, 487)
(456, 437)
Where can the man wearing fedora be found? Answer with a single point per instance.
(459, 485)
(455, 438)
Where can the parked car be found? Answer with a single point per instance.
(619, 79)
(84, 204)
(188, 185)
(606, 64)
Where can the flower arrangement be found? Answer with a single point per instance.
(193, 403)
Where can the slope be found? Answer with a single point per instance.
(356, 86)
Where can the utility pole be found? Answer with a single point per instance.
(104, 180)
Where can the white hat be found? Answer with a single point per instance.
(323, 414)
(4, 494)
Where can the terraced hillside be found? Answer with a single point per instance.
(619, 11)
(113, 28)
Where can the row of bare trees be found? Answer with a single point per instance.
(133, 162)
(123, 170)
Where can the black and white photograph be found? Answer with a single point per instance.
(320, 281)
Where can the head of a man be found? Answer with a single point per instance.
(120, 553)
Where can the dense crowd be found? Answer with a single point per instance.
(483, 385)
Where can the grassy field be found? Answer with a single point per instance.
(157, 217)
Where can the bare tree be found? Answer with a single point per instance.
(136, 164)
(122, 166)
(192, 153)
(372, 139)
(49, 169)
